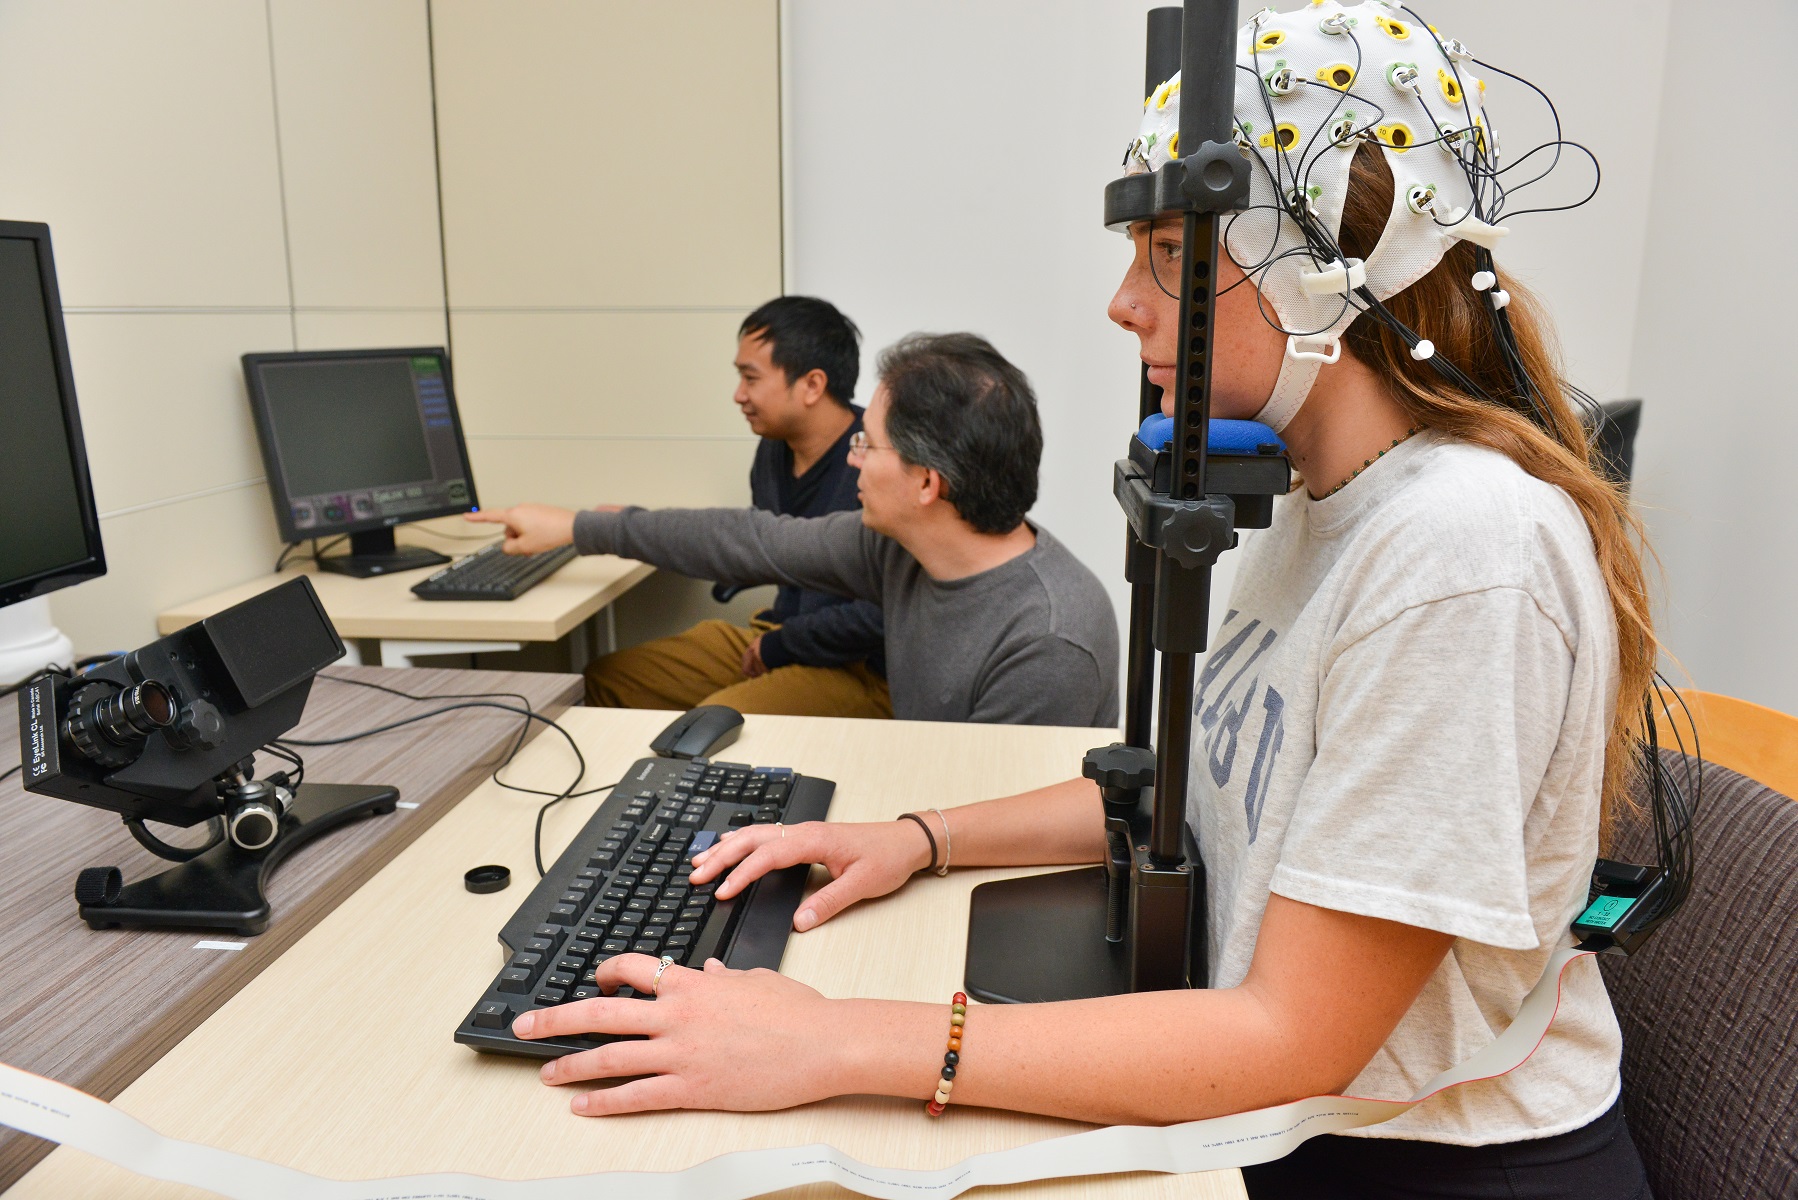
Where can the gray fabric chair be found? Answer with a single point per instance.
(1709, 1007)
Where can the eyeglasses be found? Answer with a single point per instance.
(859, 444)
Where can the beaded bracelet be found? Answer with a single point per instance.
(958, 1015)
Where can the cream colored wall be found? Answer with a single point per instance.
(611, 195)
(226, 176)
(219, 177)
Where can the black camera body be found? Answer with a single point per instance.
(169, 733)
(149, 734)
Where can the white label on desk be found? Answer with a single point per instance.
(46, 1109)
(220, 945)
(405, 804)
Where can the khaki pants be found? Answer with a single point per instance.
(704, 665)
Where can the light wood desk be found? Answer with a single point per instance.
(383, 608)
(337, 1059)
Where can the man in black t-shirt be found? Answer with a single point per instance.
(811, 653)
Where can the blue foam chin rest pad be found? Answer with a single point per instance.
(1227, 437)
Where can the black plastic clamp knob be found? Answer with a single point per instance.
(1120, 765)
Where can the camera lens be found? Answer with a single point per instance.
(132, 714)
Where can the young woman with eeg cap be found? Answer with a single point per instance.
(1413, 721)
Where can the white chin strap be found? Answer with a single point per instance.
(1298, 373)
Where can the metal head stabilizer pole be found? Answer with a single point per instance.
(1134, 924)
(1177, 527)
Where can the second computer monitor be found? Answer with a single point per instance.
(357, 442)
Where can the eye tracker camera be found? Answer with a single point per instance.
(169, 733)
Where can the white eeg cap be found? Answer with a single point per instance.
(1312, 85)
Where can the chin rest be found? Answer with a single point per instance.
(1245, 460)
(1226, 437)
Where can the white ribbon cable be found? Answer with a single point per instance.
(47, 1109)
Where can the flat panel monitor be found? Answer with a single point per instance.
(50, 536)
(357, 442)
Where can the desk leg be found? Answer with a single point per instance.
(579, 651)
(611, 629)
(399, 652)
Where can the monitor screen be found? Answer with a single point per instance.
(358, 440)
(52, 531)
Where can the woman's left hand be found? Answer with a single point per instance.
(714, 1038)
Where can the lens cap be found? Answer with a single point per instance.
(487, 879)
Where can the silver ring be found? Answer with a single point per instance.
(781, 827)
(655, 985)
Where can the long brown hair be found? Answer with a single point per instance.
(1443, 307)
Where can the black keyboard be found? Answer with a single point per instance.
(492, 574)
(621, 887)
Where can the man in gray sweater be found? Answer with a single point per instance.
(988, 617)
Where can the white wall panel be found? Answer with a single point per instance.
(353, 92)
(370, 330)
(163, 403)
(1720, 411)
(609, 152)
(144, 134)
(580, 473)
(613, 374)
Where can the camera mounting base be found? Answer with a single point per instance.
(1042, 938)
(224, 888)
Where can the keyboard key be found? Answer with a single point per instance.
(741, 817)
(550, 933)
(492, 1015)
(539, 945)
(693, 912)
(571, 966)
(646, 946)
(626, 930)
(516, 980)
(561, 979)
(551, 996)
(679, 941)
(687, 927)
(564, 914)
(582, 993)
(705, 839)
(609, 946)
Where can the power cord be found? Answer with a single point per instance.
(475, 700)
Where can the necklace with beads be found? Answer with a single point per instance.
(1396, 443)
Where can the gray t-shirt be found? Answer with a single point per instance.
(1404, 716)
(1031, 642)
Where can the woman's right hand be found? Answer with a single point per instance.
(864, 860)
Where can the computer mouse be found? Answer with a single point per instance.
(698, 732)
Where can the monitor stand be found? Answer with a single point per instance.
(373, 552)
